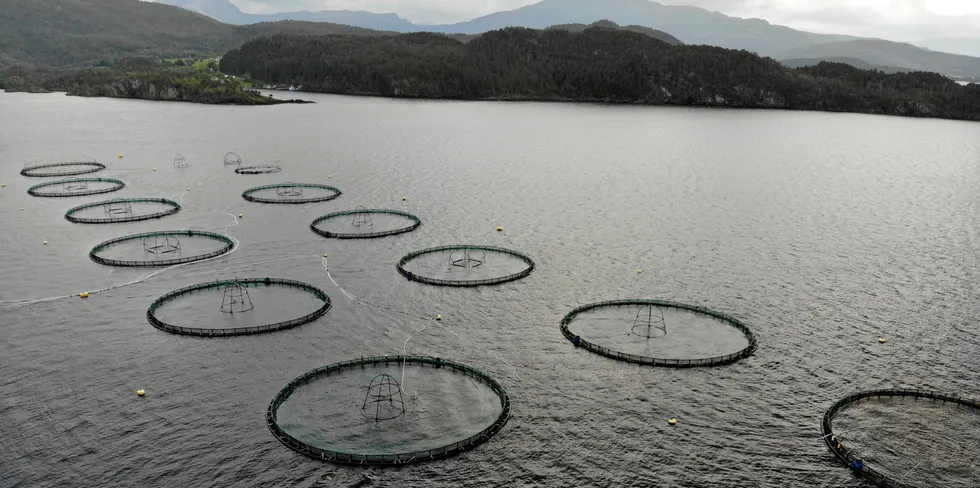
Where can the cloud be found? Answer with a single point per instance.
(907, 20)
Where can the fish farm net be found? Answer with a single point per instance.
(291, 193)
(364, 223)
(76, 187)
(69, 168)
(258, 170)
(907, 438)
(162, 248)
(659, 333)
(465, 265)
(238, 307)
(388, 411)
(122, 210)
(180, 162)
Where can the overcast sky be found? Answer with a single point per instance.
(908, 20)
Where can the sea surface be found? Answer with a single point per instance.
(822, 232)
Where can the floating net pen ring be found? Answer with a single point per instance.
(161, 243)
(76, 187)
(114, 215)
(848, 457)
(466, 251)
(291, 193)
(230, 306)
(77, 168)
(655, 323)
(392, 458)
(360, 211)
(258, 170)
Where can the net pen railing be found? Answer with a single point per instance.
(227, 247)
(119, 184)
(71, 217)
(392, 459)
(654, 361)
(248, 283)
(477, 282)
(853, 461)
(415, 223)
(248, 194)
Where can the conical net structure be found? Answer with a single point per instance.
(179, 161)
(290, 191)
(466, 258)
(648, 322)
(383, 400)
(362, 218)
(115, 209)
(161, 245)
(232, 159)
(73, 185)
(236, 299)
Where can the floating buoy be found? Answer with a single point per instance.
(438, 317)
(188, 189)
(329, 176)
(3, 185)
(500, 229)
(240, 215)
(45, 243)
(882, 340)
(83, 294)
(403, 199)
(22, 208)
(672, 421)
(120, 155)
(324, 254)
(154, 169)
(639, 270)
(141, 392)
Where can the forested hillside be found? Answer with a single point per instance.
(100, 32)
(596, 64)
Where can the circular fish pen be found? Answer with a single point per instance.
(388, 411)
(364, 223)
(76, 187)
(162, 248)
(908, 428)
(258, 170)
(69, 168)
(237, 307)
(465, 265)
(658, 333)
(122, 210)
(291, 193)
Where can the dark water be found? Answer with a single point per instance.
(821, 231)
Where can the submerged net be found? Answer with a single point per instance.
(364, 223)
(70, 168)
(76, 187)
(388, 411)
(121, 210)
(229, 301)
(293, 193)
(908, 437)
(636, 331)
(465, 265)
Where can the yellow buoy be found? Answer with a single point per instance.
(154, 169)
(141, 392)
(882, 340)
(22, 208)
(639, 270)
(329, 176)
(120, 155)
(83, 294)
(324, 254)
(188, 189)
(3, 185)
(45, 243)
(438, 317)
(500, 229)
(240, 215)
(672, 421)
(403, 199)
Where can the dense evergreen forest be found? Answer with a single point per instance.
(596, 64)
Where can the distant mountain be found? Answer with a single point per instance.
(855, 62)
(969, 46)
(607, 24)
(887, 53)
(99, 32)
(227, 12)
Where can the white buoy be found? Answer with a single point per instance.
(141, 392)
(438, 317)
(672, 421)
(45, 243)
